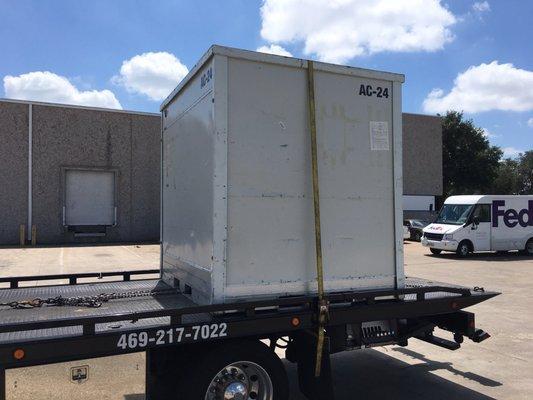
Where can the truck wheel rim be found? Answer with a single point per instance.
(529, 247)
(241, 380)
(464, 249)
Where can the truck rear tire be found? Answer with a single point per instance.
(235, 370)
(529, 247)
(463, 249)
(435, 251)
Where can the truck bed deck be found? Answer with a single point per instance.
(58, 333)
(115, 307)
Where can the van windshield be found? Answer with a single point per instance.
(454, 214)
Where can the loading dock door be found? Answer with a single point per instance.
(89, 197)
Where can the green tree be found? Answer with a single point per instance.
(470, 163)
(507, 180)
(525, 172)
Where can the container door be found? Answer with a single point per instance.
(89, 197)
(356, 176)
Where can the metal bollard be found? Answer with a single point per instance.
(33, 235)
(22, 234)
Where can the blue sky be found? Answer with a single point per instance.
(471, 55)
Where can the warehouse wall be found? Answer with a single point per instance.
(77, 137)
(146, 178)
(65, 136)
(13, 170)
(422, 155)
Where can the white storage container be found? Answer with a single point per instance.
(237, 199)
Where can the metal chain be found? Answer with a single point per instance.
(84, 301)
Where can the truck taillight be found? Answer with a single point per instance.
(19, 354)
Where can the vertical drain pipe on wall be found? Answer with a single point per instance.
(30, 151)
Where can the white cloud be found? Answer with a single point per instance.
(488, 134)
(530, 122)
(47, 86)
(275, 49)
(481, 6)
(338, 30)
(485, 87)
(511, 152)
(152, 74)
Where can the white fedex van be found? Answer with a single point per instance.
(482, 223)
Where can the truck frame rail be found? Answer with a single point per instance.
(50, 334)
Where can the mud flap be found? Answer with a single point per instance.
(160, 375)
(314, 388)
(2, 383)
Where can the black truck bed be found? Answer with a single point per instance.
(52, 333)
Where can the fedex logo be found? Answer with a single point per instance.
(512, 217)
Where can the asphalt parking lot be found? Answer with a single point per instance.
(76, 259)
(499, 368)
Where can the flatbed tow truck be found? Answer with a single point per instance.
(214, 351)
(218, 351)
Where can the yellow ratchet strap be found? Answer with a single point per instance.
(323, 309)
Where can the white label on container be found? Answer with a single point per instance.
(379, 135)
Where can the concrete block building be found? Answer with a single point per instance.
(78, 174)
(84, 175)
(422, 164)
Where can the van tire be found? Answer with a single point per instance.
(463, 249)
(528, 250)
(435, 251)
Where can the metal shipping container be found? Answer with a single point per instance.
(237, 200)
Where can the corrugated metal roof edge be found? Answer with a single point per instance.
(61, 105)
(422, 115)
